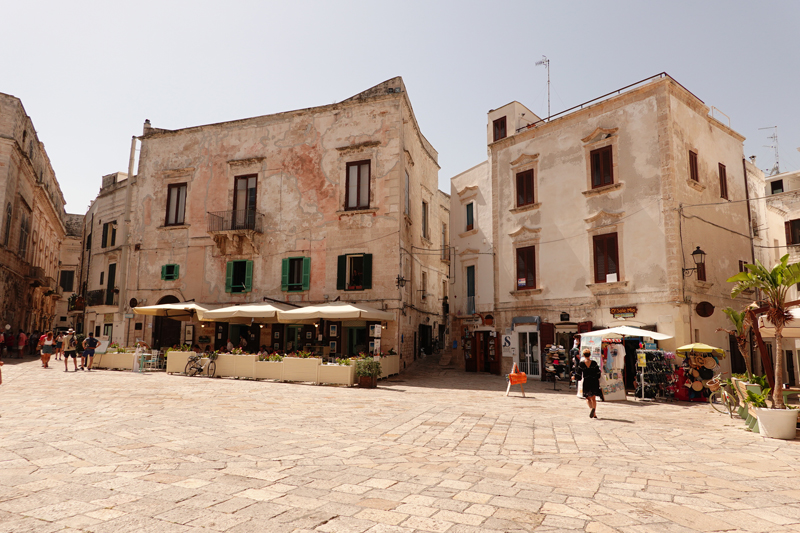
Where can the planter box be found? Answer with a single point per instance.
(367, 382)
(243, 366)
(122, 361)
(176, 361)
(297, 369)
(269, 370)
(390, 365)
(777, 423)
(337, 374)
(226, 366)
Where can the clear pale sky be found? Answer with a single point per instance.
(90, 73)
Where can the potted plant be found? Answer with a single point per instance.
(741, 329)
(368, 371)
(774, 284)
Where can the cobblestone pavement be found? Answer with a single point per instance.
(431, 450)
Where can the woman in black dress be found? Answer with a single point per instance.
(589, 372)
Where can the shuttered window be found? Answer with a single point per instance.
(694, 174)
(176, 204)
(470, 216)
(499, 128)
(723, 182)
(525, 188)
(170, 272)
(606, 257)
(296, 274)
(602, 167)
(526, 268)
(357, 186)
(354, 272)
(239, 276)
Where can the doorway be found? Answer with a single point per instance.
(528, 343)
(166, 331)
(631, 363)
(486, 352)
(425, 338)
(356, 340)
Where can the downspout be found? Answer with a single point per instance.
(758, 338)
(126, 245)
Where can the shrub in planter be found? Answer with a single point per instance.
(368, 371)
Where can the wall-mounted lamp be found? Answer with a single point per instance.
(401, 281)
(699, 258)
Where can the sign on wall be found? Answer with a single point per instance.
(623, 312)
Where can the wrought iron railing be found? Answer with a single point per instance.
(529, 365)
(75, 303)
(239, 220)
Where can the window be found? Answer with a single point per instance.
(606, 258)
(723, 182)
(112, 281)
(470, 219)
(425, 220)
(499, 128)
(424, 288)
(470, 290)
(526, 268)
(102, 278)
(694, 175)
(137, 326)
(701, 272)
(7, 234)
(244, 202)
(176, 205)
(170, 272)
(445, 246)
(239, 276)
(109, 234)
(62, 319)
(407, 208)
(108, 329)
(776, 186)
(354, 272)
(741, 266)
(67, 281)
(357, 187)
(24, 229)
(296, 274)
(792, 231)
(525, 188)
(89, 241)
(602, 167)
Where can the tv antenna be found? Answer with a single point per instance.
(774, 138)
(546, 63)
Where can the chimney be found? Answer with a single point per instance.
(752, 159)
(146, 129)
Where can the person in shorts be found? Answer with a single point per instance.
(59, 345)
(89, 344)
(70, 350)
(22, 341)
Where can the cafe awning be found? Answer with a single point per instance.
(262, 313)
(626, 331)
(184, 311)
(335, 311)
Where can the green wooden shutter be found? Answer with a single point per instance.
(367, 271)
(306, 273)
(176, 271)
(105, 235)
(163, 271)
(341, 273)
(285, 274)
(248, 277)
(229, 276)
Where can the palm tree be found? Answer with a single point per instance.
(774, 285)
(741, 327)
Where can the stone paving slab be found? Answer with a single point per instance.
(433, 450)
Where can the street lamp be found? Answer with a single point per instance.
(699, 258)
(401, 281)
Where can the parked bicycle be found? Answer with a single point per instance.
(720, 399)
(194, 366)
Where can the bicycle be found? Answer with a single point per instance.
(720, 399)
(194, 367)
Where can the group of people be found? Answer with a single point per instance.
(62, 345)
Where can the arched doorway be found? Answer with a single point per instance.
(166, 331)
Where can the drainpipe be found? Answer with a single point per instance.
(126, 244)
(752, 260)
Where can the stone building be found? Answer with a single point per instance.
(595, 216)
(31, 224)
(97, 308)
(337, 202)
(69, 274)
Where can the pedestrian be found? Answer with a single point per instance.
(8, 341)
(47, 344)
(22, 341)
(59, 345)
(70, 350)
(588, 373)
(33, 342)
(229, 346)
(89, 344)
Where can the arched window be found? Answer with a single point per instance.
(7, 234)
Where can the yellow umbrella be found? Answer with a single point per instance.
(699, 347)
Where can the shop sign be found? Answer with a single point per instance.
(650, 346)
(624, 312)
(641, 359)
(108, 318)
(476, 320)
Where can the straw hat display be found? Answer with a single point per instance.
(701, 360)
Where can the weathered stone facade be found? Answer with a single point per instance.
(66, 313)
(31, 225)
(260, 208)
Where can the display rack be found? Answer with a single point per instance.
(658, 375)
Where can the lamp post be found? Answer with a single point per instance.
(699, 258)
(401, 281)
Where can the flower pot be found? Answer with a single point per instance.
(368, 382)
(777, 423)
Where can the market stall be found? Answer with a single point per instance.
(697, 377)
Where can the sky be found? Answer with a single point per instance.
(90, 73)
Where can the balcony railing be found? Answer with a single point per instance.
(75, 303)
(233, 221)
(37, 276)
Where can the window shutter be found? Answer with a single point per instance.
(608, 173)
(306, 273)
(105, 235)
(248, 277)
(599, 260)
(163, 271)
(176, 271)
(229, 276)
(547, 333)
(285, 274)
(612, 261)
(367, 271)
(113, 234)
(341, 273)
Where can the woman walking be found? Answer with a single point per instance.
(589, 372)
(48, 345)
(59, 344)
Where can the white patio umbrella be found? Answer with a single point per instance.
(790, 330)
(262, 313)
(335, 311)
(626, 331)
(184, 311)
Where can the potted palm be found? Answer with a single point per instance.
(774, 284)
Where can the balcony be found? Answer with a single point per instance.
(102, 297)
(75, 303)
(36, 276)
(234, 231)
